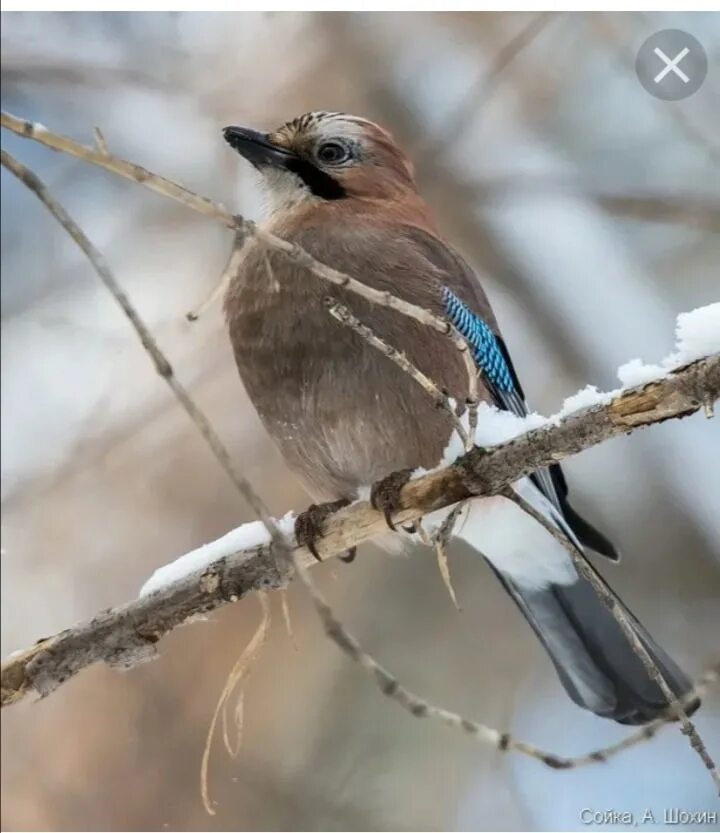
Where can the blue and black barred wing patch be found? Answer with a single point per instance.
(489, 352)
(492, 357)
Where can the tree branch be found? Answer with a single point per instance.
(229, 271)
(617, 611)
(128, 634)
(216, 211)
(162, 365)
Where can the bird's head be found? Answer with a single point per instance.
(325, 156)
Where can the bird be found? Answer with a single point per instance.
(346, 418)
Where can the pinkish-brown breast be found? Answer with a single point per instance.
(342, 414)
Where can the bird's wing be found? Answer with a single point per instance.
(596, 663)
(467, 308)
(492, 357)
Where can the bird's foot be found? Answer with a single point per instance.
(309, 526)
(385, 494)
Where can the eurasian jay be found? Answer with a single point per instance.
(344, 416)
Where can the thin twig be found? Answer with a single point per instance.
(694, 210)
(621, 37)
(616, 609)
(162, 365)
(442, 400)
(482, 88)
(472, 403)
(285, 605)
(126, 170)
(131, 632)
(391, 687)
(440, 540)
(388, 684)
(100, 141)
(229, 271)
(649, 730)
(164, 369)
(216, 211)
(241, 668)
(444, 568)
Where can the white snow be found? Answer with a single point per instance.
(585, 398)
(245, 537)
(493, 428)
(636, 372)
(697, 334)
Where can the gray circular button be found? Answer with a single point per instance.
(671, 64)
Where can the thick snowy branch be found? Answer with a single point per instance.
(247, 560)
(242, 561)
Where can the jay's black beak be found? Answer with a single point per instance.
(257, 148)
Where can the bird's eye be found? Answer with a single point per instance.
(332, 153)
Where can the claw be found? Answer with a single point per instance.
(309, 526)
(306, 529)
(385, 494)
(349, 555)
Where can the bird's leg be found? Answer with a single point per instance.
(309, 526)
(385, 494)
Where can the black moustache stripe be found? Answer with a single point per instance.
(320, 183)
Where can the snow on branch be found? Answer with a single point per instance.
(483, 458)
(242, 561)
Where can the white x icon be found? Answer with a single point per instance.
(671, 65)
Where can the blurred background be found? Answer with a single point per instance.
(591, 211)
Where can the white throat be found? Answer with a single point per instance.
(285, 190)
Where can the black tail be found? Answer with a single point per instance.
(592, 656)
